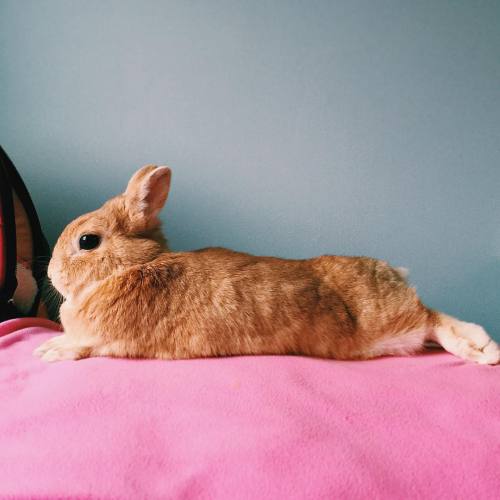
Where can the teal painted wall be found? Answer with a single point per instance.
(293, 128)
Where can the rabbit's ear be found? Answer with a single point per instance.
(146, 193)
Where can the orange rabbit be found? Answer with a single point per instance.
(126, 295)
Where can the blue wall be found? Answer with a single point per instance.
(293, 128)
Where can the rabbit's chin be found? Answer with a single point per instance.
(75, 292)
(26, 290)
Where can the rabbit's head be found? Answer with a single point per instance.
(124, 232)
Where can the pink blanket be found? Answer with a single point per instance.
(247, 427)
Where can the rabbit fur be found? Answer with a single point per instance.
(131, 297)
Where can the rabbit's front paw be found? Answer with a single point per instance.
(61, 348)
(46, 346)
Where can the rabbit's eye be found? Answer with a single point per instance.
(89, 241)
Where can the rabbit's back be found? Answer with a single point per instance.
(217, 302)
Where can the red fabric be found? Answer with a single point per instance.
(2, 250)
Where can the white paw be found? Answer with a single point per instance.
(473, 333)
(476, 344)
(61, 354)
(491, 354)
(47, 345)
(59, 348)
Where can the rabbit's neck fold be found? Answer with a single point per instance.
(82, 292)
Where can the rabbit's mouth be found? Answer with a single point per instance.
(50, 275)
(58, 287)
(54, 277)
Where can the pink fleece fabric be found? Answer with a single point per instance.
(247, 427)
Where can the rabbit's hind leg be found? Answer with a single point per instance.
(465, 340)
(403, 343)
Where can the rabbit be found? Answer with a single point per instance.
(126, 295)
